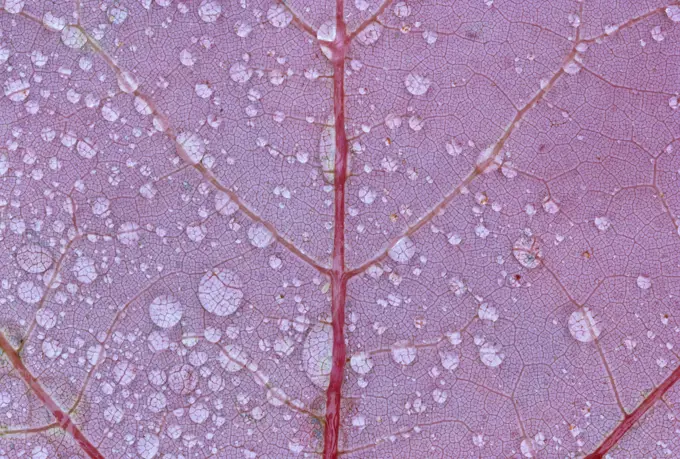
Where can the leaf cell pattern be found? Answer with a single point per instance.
(363, 228)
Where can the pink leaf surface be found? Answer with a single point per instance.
(364, 229)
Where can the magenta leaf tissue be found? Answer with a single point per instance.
(339, 228)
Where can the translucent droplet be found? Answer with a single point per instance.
(644, 282)
(260, 236)
(29, 292)
(147, 446)
(33, 258)
(362, 363)
(209, 10)
(73, 37)
(583, 326)
(417, 84)
(190, 147)
(219, 292)
(128, 233)
(403, 250)
(370, 34)
(84, 270)
(279, 16)
(165, 311)
(240, 73)
(527, 252)
(317, 354)
(490, 354)
(403, 352)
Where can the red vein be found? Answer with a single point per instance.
(63, 420)
(632, 418)
(338, 277)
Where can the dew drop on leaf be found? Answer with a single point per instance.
(260, 236)
(279, 16)
(417, 84)
(317, 354)
(165, 311)
(220, 292)
(403, 250)
(361, 363)
(583, 325)
(33, 258)
(403, 352)
(491, 354)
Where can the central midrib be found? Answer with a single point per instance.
(338, 273)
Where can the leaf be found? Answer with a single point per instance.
(259, 228)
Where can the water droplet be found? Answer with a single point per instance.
(370, 34)
(186, 58)
(362, 363)
(550, 206)
(603, 223)
(219, 292)
(128, 233)
(109, 113)
(51, 348)
(527, 252)
(275, 262)
(572, 67)
(392, 121)
(165, 311)
(243, 29)
(260, 236)
(490, 354)
(34, 259)
(147, 446)
(486, 312)
(279, 16)
(657, 34)
(209, 10)
(28, 292)
(14, 6)
(234, 358)
(449, 359)
(439, 396)
(417, 84)
(198, 413)
(367, 196)
(73, 37)
(673, 13)
(326, 31)
(403, 352)
(644, 282)
(190, 147)
(224, 205)
(196, 232)
(402, 10)
(583, 326)
(113, 414)
(203, 90)
(124, 372)
(317, 354)
(403, 250)
(240, 73)
(127, 82)
(46, 318)
(182, 379)
(430, 37)
(84, 270)
(117, 14)
(148, 190)
(17, 90)
(527, 447)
